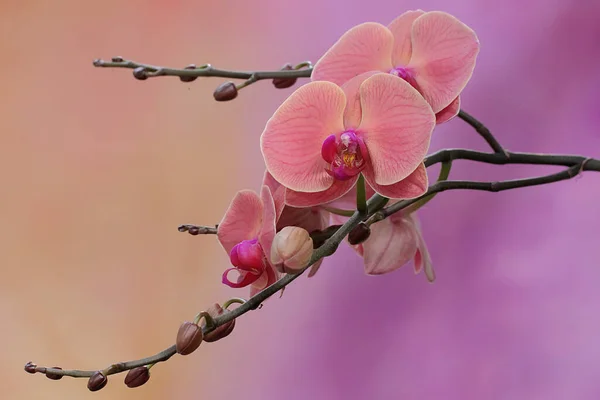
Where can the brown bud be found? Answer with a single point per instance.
(188, 78)
(140, 73)
(225, 92)
(30, 367)
(52, 376)
(223, 330)
(189, 337)
(137, 377)
(284, 83)
(117, 59)
(359, 234)
(97, 381)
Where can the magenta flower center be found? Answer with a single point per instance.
(405, 73)
(249, 261)
(346, 155)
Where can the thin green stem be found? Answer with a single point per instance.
(361, 195)
(443, 176)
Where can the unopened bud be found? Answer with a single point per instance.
(284, 83)
(52, 376)
(291, 250)
(188, 78)
(189, 337)
(359, 234)
(117, 59)
(30, 367)
(97, 381)
(137, 377)
(223, 330)
(225, 92)
(140, 73)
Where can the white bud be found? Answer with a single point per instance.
(291, 250)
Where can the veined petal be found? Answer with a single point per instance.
(302, 199)
(392, 244)
(401, 28)
(443, 57)
(242, 220)
(267, 230)
(292, 139)
(366, 47)
(353, 112)
(396, 126)
(348, 201)
(277, 191)
(449, 112)
(412, 186)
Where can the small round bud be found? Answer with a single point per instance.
(284, 83)
(97, 381)
(225, 92)
(117, 59)
(223, 330)
(188, 78)
(52, 376)
(359, 234)
(140, 73)
(30, 367)
(137, 377)
(189, 337)
(291, 250)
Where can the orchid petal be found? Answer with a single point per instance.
(315, 268)
(396, 126)
(267, 231)
(366, 47)
(412, 186)
(422, 258)
(309, 218)
(353, 112)
(401, 28)
(242, 220)
(244, 279)
(443, 57)
(292, 140)
(449, 112)
(337, 190)
(392, 244)
(278, 192)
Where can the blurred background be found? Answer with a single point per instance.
(99, 169)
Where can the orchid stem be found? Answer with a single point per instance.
(338, 211)
(361, 196)
(444, 174)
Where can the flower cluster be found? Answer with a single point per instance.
(368, 114)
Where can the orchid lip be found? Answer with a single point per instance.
(346, 155)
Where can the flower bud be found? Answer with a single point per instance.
(283, 83)
(30, 367)
(140, 73)
(221, 331)
(189, 337)
(291, 250)
(188, 78)
(117, 59)
(359, 234)
(225, 92)
(97, 381)
(52, 376)
(137, 377)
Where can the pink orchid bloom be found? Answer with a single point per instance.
(433, 51)
(246, 233)
(323, 136)
(393, 242)
(310, 218)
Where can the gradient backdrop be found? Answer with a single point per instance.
(99, 169)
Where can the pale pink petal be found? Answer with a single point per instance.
(396, 125)
(401, 28)
(353, 113)
(449, 112)
(267, 230)
(292, 140)
(443, 57)
(366, 47)
(392, 244)
(242, 220)
(278, 192)
(302, 199)
(412, 186)
(422, 258)
(268, 277)
(348, 201)
(315, 268)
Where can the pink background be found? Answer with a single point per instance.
(99, 169)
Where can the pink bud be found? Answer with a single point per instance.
(291, 250)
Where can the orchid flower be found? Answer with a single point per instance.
(323, 136)
(433, 51)
(246, 233)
